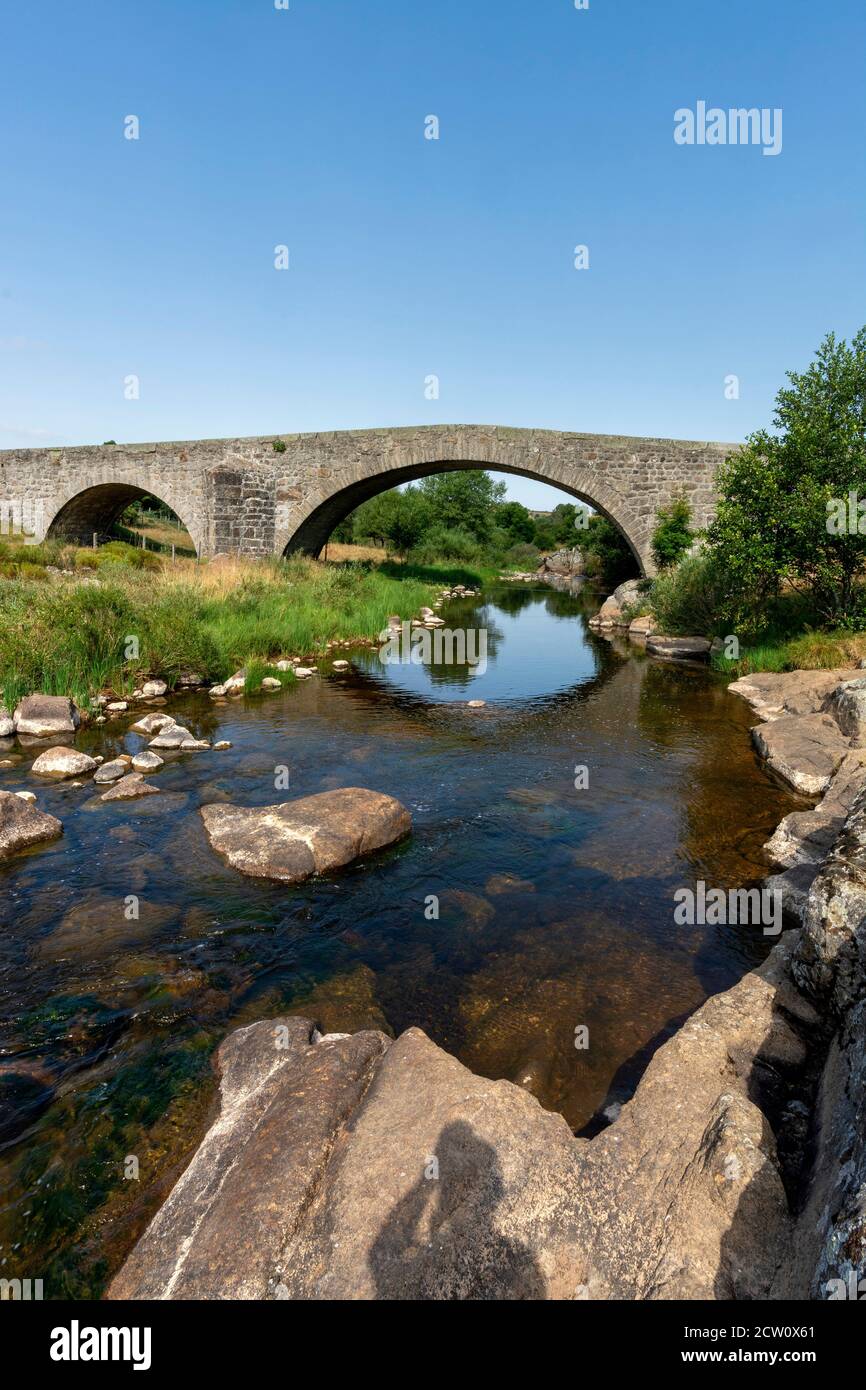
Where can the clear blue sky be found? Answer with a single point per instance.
(411, 257)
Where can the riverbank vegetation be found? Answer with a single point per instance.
(782, 568)
(118, 614)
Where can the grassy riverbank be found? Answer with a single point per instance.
(809, 651)
(124, 614)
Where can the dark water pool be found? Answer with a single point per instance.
(555, 905)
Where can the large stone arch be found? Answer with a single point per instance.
(322, 517)
(612, 480)
(92, 510)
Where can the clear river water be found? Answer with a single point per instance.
(522, 907)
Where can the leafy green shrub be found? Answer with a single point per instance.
(673, 536)
(449, 543)
(279, 446)
(691, 599)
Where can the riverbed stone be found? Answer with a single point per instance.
(678, 648)
(111, 771)
(152, 689)
(146, 761)
(171, 737)
(63, 762)
(271, 683)
(312, 835)
(43, 716)
(7, 725)
(22, 824)
(130, 789)
(643, 626)
(152, 724)
(804, 750)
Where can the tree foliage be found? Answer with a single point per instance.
(783, 518)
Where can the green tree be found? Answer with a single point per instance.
(514, 519)
(608, 554)
(783, 516)
(463, 500)
(407, 520)
(673, 536)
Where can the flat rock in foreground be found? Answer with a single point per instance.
(312, 835)
(678, 648)
(22, 825)
(357, 1167)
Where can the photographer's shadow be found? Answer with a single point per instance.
(440, 1241)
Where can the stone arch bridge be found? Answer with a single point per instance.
(272, 496)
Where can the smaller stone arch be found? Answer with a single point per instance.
(94, 511)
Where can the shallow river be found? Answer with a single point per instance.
(555, 905)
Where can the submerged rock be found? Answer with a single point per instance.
(22, 825)
(45, 715)
(312, 835)
(63, 762)
(129, 788)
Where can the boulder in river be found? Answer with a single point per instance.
(110, 771)
(63, 762)
(170, 737)
(7, 725)
(147, 761)
(312, 835)
(151, 689)
(152, 724)
(129, 789)
(43, 716)
(678, 648)
(22, 824)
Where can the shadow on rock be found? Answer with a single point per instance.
(443, 1231)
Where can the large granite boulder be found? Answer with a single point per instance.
(63, 762)
(45, 716)
(678, 648)
(804, 750)
(830, 961)
(356, 1167)
(847, 705)
(22, 825)
(312, 835)
(773, 694)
